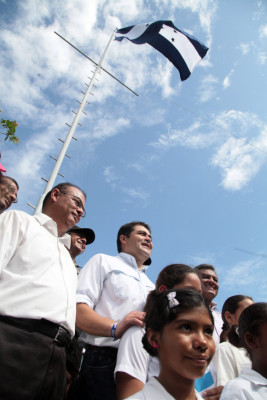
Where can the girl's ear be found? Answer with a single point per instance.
(229, 318)
(162, 288)
(251, 340)
(153, 338)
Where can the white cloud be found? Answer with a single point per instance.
(110, 176)
(227, 80)
(135, 194)
(207, 89)
(245, 48)
(262, 57)
(263, 31)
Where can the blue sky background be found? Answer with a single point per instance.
(188, 158)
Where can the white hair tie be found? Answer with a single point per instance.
(173, 302)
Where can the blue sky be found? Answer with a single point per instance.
(189, 158)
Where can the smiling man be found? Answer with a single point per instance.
(37, 296)
(111, 296)
(80, 238)
(210, 287)
(8, 192)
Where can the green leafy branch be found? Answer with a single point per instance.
(9, 130)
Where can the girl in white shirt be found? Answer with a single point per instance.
(251, 383)
(229, 356)
(179, 328)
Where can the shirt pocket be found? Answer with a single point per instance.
(125, 285)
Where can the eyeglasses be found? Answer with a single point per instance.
(11, 189)
(77, 201)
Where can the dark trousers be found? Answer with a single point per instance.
(32, 366)
(96, 379)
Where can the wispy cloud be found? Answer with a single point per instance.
(110, 176)
(208, 88)
(245, 48)
(227, 80)
(134, 194)
(263, 31)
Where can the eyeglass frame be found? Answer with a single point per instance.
(10, 189)
(76, 199)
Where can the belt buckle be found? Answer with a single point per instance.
(62, 337)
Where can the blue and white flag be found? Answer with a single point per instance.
(182, 49)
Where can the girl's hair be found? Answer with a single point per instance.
(231, 305)
(250, 320)
(161, 311)
(170, 276)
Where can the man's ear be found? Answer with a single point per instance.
(251, 340)
(55, 194)
(123, 240)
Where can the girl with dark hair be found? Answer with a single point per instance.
(134, 365)
(251, 383)
(179, 328)
(230, 357)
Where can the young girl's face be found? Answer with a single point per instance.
(186, 346)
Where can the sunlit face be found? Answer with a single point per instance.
(138, 244)
(69, 208)
(209, 284)
(78, 244)
(8, 194)
(191, 281)
(185, 346)
(234, 318)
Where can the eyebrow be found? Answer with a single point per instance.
(147, 234)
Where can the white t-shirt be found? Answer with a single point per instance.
(112, 287)
(153, 390)
(248, 386)
(227, 363)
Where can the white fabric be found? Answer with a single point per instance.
(112, 286)
(227, 363)
(153, 390)
(248, 386)
(133, 359)
(135, 32)
(37, 276)
(218, 323)
(183, 45)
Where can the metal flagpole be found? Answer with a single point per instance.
(65, 146)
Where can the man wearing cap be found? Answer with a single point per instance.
(8, 192)
(111, 296)
(80, 238)
(37, 296)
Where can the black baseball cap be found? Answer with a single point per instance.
(88, 233)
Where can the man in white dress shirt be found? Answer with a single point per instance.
(210, 288)
(37, 296)
(111, 295)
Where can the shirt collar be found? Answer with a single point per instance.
(49, 224)
(213, 305)
(131, 260)
(253, 376)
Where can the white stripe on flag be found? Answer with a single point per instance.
(135, 32)
(183, 45)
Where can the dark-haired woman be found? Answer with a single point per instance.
(179, 328)
(230, 357)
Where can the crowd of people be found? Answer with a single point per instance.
(105, 331)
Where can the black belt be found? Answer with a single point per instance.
(57, 332)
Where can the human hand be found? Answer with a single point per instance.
(133, 318)
(213, 394)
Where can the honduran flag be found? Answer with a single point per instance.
(182, 49)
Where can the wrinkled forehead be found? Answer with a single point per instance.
(206, 273)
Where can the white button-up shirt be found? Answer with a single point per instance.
(113, 287)
(37, 276)
(248, 386)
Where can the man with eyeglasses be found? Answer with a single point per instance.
(8, 192)
(37, 296)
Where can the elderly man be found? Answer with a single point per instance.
(210, 287)
(111, 295)
(80, 238)
(8, 192)
(37, 296)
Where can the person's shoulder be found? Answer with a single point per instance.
(16, 215)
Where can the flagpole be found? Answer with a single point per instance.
(65, 146)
